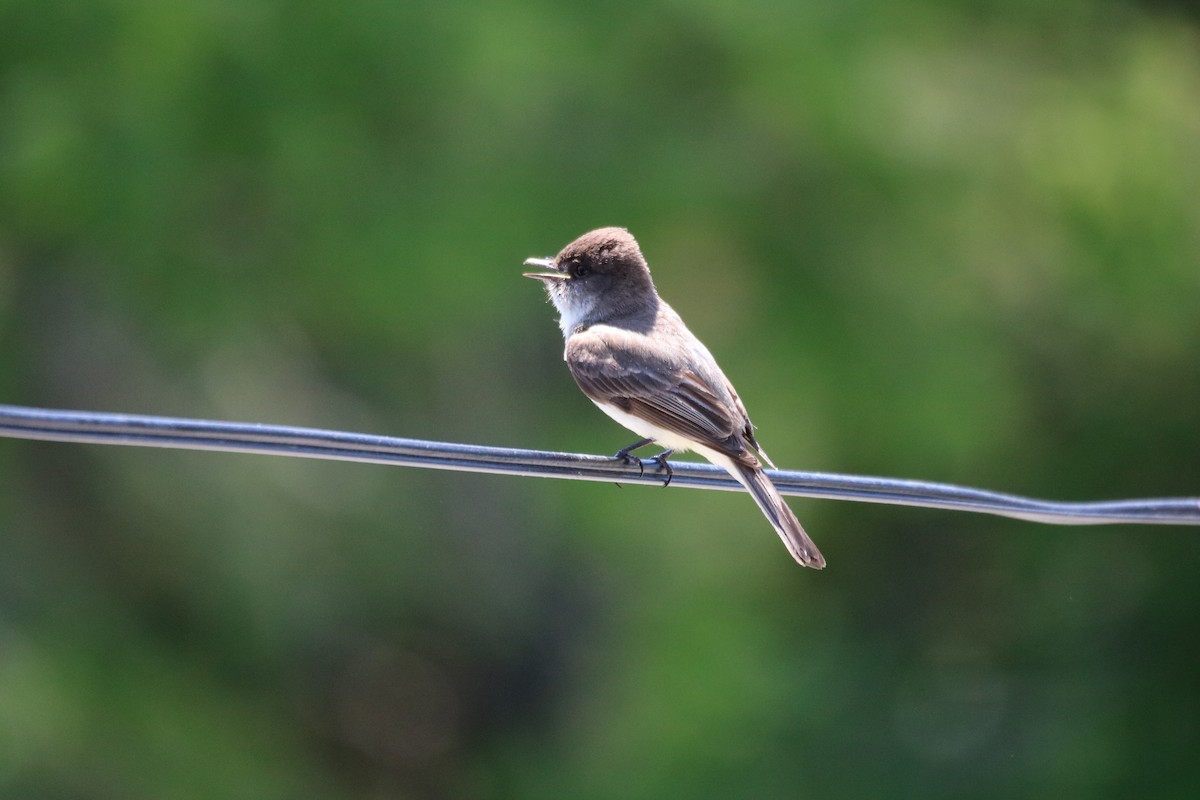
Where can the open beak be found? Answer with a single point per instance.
(544, 263)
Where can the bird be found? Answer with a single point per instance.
(632, 355)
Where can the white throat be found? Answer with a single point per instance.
(572, 309)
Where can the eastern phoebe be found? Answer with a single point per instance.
(633, 357)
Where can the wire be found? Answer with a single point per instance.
(93, 427)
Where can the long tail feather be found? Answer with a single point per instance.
(778, 513)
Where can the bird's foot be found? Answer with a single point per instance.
(626, 454)
(663, 464)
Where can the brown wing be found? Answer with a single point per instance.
(625, 369)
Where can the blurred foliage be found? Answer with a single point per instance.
(950, 240)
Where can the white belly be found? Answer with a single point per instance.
(669, 439)
(662, 436)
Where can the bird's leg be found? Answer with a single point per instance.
(661, 460)
(625, 454)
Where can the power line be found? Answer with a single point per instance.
(93, 427)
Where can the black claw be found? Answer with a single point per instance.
(661, 460)
(625, 454)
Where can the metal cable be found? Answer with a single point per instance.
(93, 427)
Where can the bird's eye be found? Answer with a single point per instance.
(582, 270)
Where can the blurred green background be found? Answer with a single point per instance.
(957, 241)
